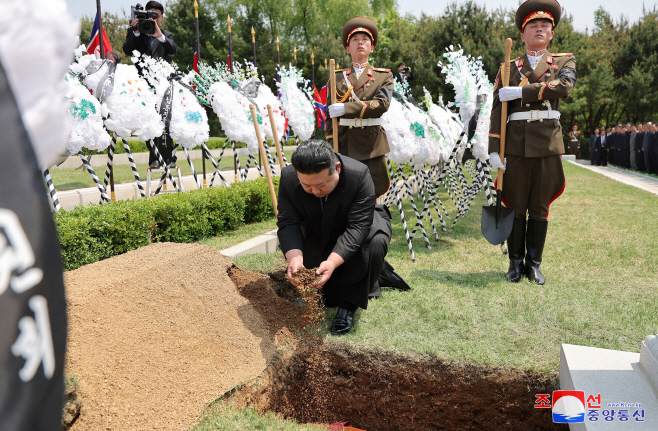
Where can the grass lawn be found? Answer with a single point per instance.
(601, 266)
(68, 179)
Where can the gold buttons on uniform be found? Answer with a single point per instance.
(544, 103)
(350, 127)
(527, 105)
(541, 121)
(528, 121)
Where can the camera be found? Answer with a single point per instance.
(405, 70)
(145, 25)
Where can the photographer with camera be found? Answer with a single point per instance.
(405, 73)
(145, 36)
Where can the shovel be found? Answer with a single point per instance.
(497, 222)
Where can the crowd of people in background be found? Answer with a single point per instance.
(627, 146)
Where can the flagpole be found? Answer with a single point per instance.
(315, 111)
(102, 52)
(253, 43)
(198, 57)
(326, 69)
(100, 27)
(295, 54)
(230, 69)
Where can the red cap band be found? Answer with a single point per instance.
(360, 30)
(536, 15)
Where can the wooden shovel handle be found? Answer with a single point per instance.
(334, 120)
(268, 174)
(503, 111)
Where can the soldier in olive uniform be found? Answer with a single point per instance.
(363, 96)
(534, 177)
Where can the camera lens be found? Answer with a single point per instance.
(146, 26)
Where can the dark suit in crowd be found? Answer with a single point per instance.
(627, 149)
(346, 222)
(639, 140)
(633, 150)
(149, 45)
(612, 147)
(592, 147)
(646, 150)
(601, 151)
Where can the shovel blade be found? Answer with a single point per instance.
(497, 234)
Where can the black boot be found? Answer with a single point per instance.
(535, 239)
(516, 250)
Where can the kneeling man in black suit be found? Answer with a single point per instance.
(328, 219)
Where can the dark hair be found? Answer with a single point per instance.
(401, 64)
(154, 5)
(314, 156)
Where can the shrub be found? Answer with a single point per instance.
(95, 232)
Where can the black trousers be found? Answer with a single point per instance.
(345, 289)
(166, 149)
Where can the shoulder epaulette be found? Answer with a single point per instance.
(512, 60)
(562, 54)
(380, 69)
(342, 70)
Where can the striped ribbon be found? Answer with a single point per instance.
(166, 173)
(51, 190)
(108, 167)
(237, 159)
(215, 164)
(399, 202)
(85, 162)
(270, 160)
(133, 167)
(198, 184)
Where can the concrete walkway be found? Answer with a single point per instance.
(644, 182)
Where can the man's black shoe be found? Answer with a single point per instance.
(154, 165)
(389, 278)
(343, 322)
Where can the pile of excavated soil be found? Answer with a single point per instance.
(158, 333)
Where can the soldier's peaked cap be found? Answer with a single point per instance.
(359, 24)
(537, 9)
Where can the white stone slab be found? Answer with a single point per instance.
(263, 244)
(649, 358)
(617, 376)
(569, 157)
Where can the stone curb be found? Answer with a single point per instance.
(262, 244)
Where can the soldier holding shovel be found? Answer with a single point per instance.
(533, 168)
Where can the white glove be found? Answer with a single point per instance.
(336, 110)
(496, 163)
(506, 94)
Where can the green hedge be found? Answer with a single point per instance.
(91, 233)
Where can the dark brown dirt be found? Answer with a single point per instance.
(381, 391)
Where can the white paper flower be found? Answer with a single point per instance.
(28, 27)
(85, 116)
(297, 104)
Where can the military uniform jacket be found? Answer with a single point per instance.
(552, 79)
(374, 90)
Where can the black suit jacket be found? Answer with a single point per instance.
(348, 220)
(141, 43)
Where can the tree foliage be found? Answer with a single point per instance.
(617, 61)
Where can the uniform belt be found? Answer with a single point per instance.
(360, 122)
(534, 116)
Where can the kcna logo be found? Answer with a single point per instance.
(568, 406)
